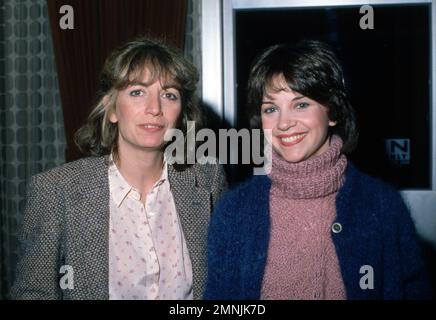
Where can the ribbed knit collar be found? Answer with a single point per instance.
(313, 178)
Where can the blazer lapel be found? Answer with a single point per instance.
(88, 222)
(87, 229)
(193, 205)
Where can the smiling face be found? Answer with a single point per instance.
(299, 125)
(144, 111)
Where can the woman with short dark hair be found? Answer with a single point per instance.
(315, 227)
(123, 223)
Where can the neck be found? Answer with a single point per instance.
(141, 168)
(316, 177)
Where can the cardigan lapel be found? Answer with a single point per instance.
(258, 248)
(359, 242)
(193, 205)
(88, 222)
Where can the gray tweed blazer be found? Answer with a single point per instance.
(66, 222)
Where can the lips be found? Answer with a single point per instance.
(288, 140)
(151, 127)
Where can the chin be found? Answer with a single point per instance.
(291, 158)
(152, 145)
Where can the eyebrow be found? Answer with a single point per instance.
(168, 85)
(139, 83)
(294, 99)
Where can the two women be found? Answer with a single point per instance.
(315, 227)
(124, 224)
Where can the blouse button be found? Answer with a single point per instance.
(336, 227)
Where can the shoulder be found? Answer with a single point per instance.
(206, 170)
(247, 196)
(369, 195)
(253, 186)
(242, 212)
(361, 183)
(83, 169)
(205, 174)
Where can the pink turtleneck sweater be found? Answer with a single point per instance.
(302, 261)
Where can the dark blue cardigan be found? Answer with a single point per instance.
(376, 230)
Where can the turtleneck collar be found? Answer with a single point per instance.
(313, 178)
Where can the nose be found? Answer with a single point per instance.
(153, 105)
(286, 121)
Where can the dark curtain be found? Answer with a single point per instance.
(99, 27)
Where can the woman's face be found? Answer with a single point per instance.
(144, 111)
(299, 125)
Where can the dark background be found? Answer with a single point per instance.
(387, 74)
(103, 25)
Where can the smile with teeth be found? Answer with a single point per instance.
(292, 138)
(151, 126)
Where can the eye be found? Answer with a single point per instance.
(302, 105)
(269, 109)
(171, 95)
(135, 93)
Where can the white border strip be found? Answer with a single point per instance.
(256, 4)
(230, 100)
(212, 62)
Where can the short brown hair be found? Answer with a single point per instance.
(312, 69)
